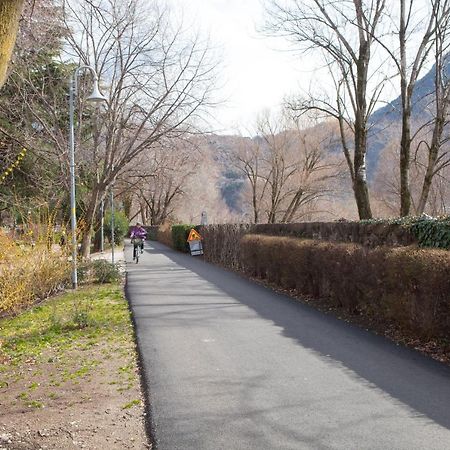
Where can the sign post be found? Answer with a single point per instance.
(195, 243)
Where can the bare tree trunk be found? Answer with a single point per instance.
(425, 192)
(325, 26)
(10, 11)
(255, 205)
(405, 142)
(89, 219)
(405, 162)
(433, 154)
(407, 86)
(360, 188)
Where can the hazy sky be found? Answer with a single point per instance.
(257, 71)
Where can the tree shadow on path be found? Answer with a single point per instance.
(405, 374)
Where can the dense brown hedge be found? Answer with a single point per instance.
(367, 234)
(407, 285)
(221, 243)
(152, 232)
(164, 235)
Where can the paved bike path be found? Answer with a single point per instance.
(233, 365)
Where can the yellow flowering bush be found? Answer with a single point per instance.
(28, 273)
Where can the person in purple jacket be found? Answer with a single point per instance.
(138, 235)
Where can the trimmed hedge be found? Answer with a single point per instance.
(221, 243)
(406, 285)
(401, 283)
(405, 231)
(164, 235)
(152, 232)
(368, 234)
(180, 234)
(175, 236)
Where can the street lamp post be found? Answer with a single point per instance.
(112, 224)
(96, 97)
(102, 226)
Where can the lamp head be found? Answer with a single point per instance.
(96, 96)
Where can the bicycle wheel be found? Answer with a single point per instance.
(136, 253)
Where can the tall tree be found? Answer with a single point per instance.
(409, 72)
(247, 158)
(157, 182)
(33, 110)
(287, 168)
(437, 152)
(10, 11)
(344, 32)
(159, 83)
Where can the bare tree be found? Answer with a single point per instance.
(157, 181)
(159, 83)
(438, 155)
(311, 182)
(287, 169)
(345, 33)
(409, 70)
(247, 157)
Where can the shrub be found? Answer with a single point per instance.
(29, 274)
(98, 271)
(152, 232)
(105, 272)
(83, 271)
(368, 233)
(121, 226)
(221, 243)
(164, 234)
(180, 233)
(432, 232)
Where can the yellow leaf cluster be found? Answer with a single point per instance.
(14, 165)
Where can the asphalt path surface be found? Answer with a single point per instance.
(232, 365)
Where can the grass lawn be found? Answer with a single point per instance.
(68, 374)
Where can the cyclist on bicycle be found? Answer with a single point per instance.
(138, 235)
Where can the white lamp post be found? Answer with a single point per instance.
(96, 97)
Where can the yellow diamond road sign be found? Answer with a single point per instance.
(194, 236)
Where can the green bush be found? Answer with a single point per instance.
(180, 234)
(83, 271)
(432, 232)
(105, 272)
(121, 226)
(98, 271)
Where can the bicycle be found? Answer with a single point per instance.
(137, 246)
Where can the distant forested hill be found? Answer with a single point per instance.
(384, 126)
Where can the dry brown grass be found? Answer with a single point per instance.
(28, 273)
